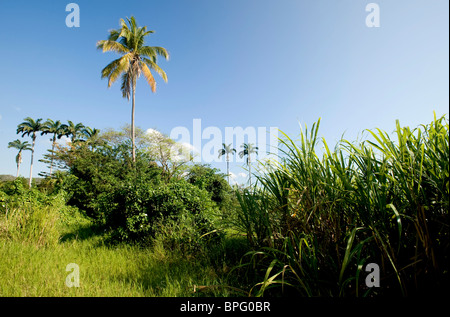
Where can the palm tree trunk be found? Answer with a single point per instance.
(53, 151)
(250, 170)
(31, 165)
(133, 151)
(228, 169)
(18, 161)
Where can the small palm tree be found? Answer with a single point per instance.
(136, 59)
(58, 130)
(73, 130)
(21, 146)
(92, 137)
(88, 132)
(248, 150)
(30, 127)
(227, 149)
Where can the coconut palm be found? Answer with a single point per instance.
(227, 149)
(58, 130)
(248, 150)
(21, 146)
(136, 58)
(30, 127)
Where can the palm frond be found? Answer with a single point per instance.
(148, 75)
(126, 85)
(121, 66)
(156, 68)
(154, 51)
(112, 46)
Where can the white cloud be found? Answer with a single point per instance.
(242, 175)
(153, 132)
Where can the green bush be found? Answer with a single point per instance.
(29, 215)
(136, 210)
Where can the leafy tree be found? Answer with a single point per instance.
(205, 177)
(227, 150)
(248, 150)
(136, 58)
(172, 156)
(116, 137)
(96, 171)
(30, 127)
(21, 146)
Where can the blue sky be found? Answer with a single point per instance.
(247, 63)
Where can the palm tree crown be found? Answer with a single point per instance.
(30, 127)
(227, 150)
(136, 59)
(248, 150)
(21, 146)
(73, 130)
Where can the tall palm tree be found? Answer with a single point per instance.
(227, 149)
(248, 150)
(58, 130)
(21, 146)
(73, 130)
(30, 127)
(136, 58)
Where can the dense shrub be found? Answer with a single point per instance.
(136, 208)
(205, 177)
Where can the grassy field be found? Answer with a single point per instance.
(104, 271)
(33, 269)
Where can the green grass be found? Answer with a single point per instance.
(123, 270)
(35, 265)
(317, 221)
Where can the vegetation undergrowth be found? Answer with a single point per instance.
(152, 225)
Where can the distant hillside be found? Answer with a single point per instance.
(5, 178)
